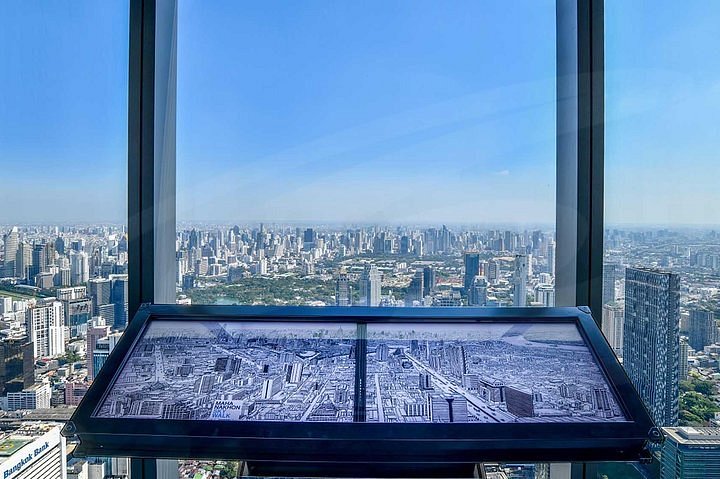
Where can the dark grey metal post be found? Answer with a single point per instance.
(151, 169)
(580, 151)
(580, 161)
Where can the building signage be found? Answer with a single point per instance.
(23, 458)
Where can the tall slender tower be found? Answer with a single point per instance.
(370, 286)
(472, 269)
(651, 339)
(11, 245)
(520, 275)
(702, 329)
(610, 271)
(416, 289)
(612, 325)
(343, 290)
(683, 368)
(428, 280)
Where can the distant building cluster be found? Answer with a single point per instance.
(375, 266)
(63, 307)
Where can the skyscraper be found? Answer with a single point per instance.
(11, 240)
(100, 291)
(343, 290)
(416, 288)
(17, 364)
(551, 258)
(39, 261)
(651, 342)
(23, 260)
(477, 296)
(520, 275)
(79, 268)
(612, 325)
(493, 271)
(545, 294)
(370, 286)
(428, 280)
(703, 331)
(610, 272)
(684, 367)
(45, 323)
(472, 269)
(120, 299)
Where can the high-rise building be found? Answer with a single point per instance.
(107, 313)
(613, 315)
(23, 260)
(690, 453)
(520, 275)
(17, 364)
(493, 272)
(472, 269)
(610, 272)
(39, 261)
(551, 258)
(77, 314)
(477, 295)
(6, 304)
(94, 334)
(10, 240)
(545, 294)
(79, 268)
(703, 330)
(370, 286)
(404, 245)
(651, 339)
(45, 323)
(119, 298)
(684, 367)
(309, 239)
(100, 354)
(416, 289)
(100, 292)
(428, 280)
(75, 292)
(343, 289)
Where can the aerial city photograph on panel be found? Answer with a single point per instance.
(484, 373)
(206, 370)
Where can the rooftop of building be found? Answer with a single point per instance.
(694, 435)
(16, 438)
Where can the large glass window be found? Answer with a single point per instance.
(662, 249)
(63, 242)
(382, 154)
(370, 154)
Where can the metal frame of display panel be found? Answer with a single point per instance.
(359, 442)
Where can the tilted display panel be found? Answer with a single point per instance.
(430, 385)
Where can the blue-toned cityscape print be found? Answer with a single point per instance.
(484, 373)
(205, 370)
(415, 373)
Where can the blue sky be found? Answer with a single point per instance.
(362, 111)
